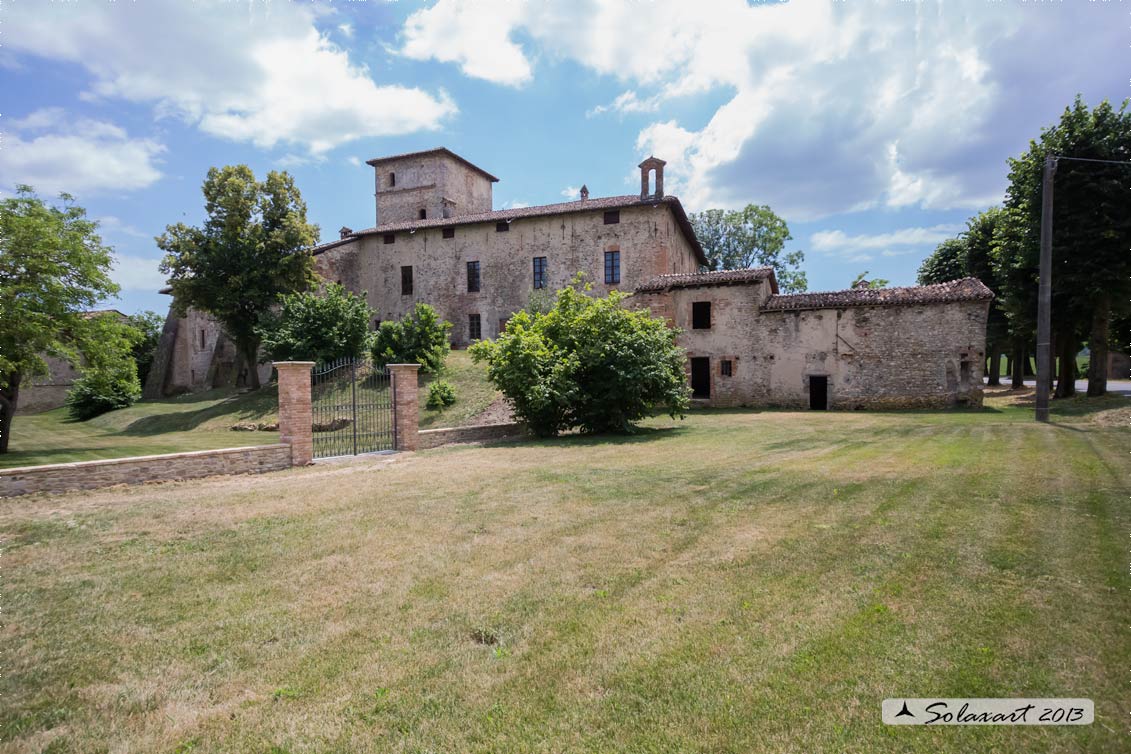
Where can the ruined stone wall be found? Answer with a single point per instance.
(437, 183)
(197, 335)
(45, 392)
(649, 241)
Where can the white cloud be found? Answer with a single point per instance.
(137, 273)
(514, 204)
(354, 160)
(832, 107)
(346, 30)
(259, 74)
(893, 243)
(571, 192)
(110, 225)
(78, 156)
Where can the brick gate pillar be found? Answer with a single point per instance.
(295, 417)
(405, 404)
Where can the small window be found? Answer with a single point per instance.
(448, 233)
(202, 339)
(539, 272)
(612, 267)
(473, 277)
(406, 281)
(701, 315)
(392, 179)
(390, 237)
(502, 325)
(502, 227)
(423, 214)
(474, 329)
(726, 368)
(376, 324)
(612, 217)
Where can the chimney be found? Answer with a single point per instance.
(584, 192)
(861, 284)
(345, 232)
(646, 167)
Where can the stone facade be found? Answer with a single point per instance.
(429, 185)
(900, 348)
(88, 475)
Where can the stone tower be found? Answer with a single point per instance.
(429, 185)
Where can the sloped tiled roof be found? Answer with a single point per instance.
(544, 210)
(438, 150)
(966, 289)
(668, 282)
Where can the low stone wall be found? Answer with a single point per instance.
(86, 475)
(432, 438)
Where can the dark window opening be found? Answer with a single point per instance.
(612, 217)
(448, 233)
(818, 392)
(701, 315)
(376, 324)
(474, 330)
(406, 281)
(392, 179)
(473, 277)
(700, 377)
(539, 272)
(390, 237)
(502, 325)
(612, 267)
(202, 339)
(502, 227)
(423, 214)
(726, 369)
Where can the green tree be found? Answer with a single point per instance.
(947, 262)
(861, 278)
(318, 327)
(109, 378)
(589, 363)
(421, 337)
(750, 237)
(53, 266)
(250, 250)
(149, 325)
(1091, 229)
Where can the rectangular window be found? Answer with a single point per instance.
(502, 326)
(502, 227)
(376, 324)
(701, 315)
(726, 368)
(390, 237)
(406, 281)
(423, 214)
(474, 330)
(202, 339)
(612, 217)
(473, 277)
(449, 233)
(612, 267)
(539, 272)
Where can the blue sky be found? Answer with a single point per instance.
(875, 128)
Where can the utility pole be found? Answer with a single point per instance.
(1044, 294)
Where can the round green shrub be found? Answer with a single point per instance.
(441, 394)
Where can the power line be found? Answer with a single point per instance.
(1086, 159)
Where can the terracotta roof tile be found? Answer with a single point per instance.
(966, 289)
(438, 150)
(704, 279)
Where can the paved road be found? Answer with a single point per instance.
(1119, 387)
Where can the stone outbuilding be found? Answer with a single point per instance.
(864, 348)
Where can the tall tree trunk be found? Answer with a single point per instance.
(9, 398)
(1020, 360)
(1097, 345)
(250, 351)
(995, 366)
(1066, 376)
(1009, 363)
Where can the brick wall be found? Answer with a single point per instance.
(86, 475)
(432, 438)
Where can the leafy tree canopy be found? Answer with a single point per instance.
(318, 327)
(149, 325)
(421, 337)
(589, 363)
(251, 249)
(109, 378)
(750, 237)
(53, 267)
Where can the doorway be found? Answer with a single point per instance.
(700, 377)
(818, 392)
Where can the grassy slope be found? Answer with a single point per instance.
(738, 582)
(202, 420)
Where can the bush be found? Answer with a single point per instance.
(588, 363)
(103, 389)
(420, 338)
(440, 395)
(312, 327)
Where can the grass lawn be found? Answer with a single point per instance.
(202, 421)
(735, 582)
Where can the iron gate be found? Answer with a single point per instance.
(352, 407)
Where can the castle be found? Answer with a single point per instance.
(437, 239)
